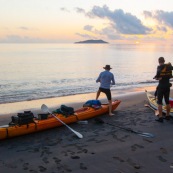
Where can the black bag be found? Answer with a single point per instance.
(22, 118)
(64, 110)
(43, 116)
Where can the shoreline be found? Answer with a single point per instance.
(76, 101)
(73, 100)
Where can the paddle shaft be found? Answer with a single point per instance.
(123, 128)
(44, 108)
(133, 131)
(77, 133)
(126, 129)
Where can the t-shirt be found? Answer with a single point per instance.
(106, 78)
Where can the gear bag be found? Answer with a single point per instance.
(65, 110)
(93, 103)
(22, 118)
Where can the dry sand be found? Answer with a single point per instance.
(104, 148)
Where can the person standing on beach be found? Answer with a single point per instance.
(106, 79)
(164, 73)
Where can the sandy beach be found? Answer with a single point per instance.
(105, 148)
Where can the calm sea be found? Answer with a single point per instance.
(34, 71)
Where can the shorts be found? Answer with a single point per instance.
(107, 92)
(163, 93)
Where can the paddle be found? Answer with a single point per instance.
(155, 111)
(45, 109)
(148, 135)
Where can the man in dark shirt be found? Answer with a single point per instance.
(164, 73)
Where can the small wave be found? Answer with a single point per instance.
(41, 91)
(148, 82)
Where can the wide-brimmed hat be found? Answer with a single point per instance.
(107, 67)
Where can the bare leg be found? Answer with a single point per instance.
(110, 108)
(160, 111)
(168, 108)
(98, 94)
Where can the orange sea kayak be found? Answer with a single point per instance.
(84, 113)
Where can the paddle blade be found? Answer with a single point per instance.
(44, 108)
(147, 135)
(78, 134)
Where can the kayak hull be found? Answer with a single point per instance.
(40, 125)
(153, 103)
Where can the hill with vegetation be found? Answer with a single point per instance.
(91, 42)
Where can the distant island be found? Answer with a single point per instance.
(92, 41)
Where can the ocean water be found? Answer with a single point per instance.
(35, 71)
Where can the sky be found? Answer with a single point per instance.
(68, 21)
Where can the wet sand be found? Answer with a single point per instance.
(104, 148)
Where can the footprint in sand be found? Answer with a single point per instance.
(125, 136)
(45, 160)
(9, 165)
(65, 153)
(163, 150)
(118, 139)
(83, 151)
(33, 171)
(25, 166)
(57, 161)
(118, 158)
(135, 146)
(75, 157)
(161, 159)
(82, 166)
(42, 169)
(91, 140)
(100, 141)
(136, 166)
(147, 140)
(36, 150)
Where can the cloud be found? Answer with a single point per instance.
(123, 23)
(64, 9)
(105, 33)
(88, 27)
(23, 28)
(162, 28)
(162, 17)
(147, 14)
(80, 10)
(110, 33)
(19, 39)
(86, 36)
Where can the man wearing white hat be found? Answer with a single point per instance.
(106, 79)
